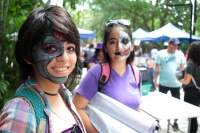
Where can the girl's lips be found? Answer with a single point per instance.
(123, 53)
(60, 68)
(120, 53)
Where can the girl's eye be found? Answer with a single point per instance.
(49, 48)
(112, 42)
(71, 48)
(59, 35)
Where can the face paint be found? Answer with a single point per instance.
(124, 44)
(50, 48)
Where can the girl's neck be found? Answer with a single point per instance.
(47, 85)
(119, 67)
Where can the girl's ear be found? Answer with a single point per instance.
(28, 62)
(106, 51)
(104, 47)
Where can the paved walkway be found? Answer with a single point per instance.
(182, 123)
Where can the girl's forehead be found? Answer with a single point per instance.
(115, 33)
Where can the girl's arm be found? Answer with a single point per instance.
(81, 103)
(186, 80)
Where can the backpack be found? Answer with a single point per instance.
(105, 75)
(37, 104)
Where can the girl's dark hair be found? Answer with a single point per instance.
(194, 53)
(107, 31)
(34, 29)
(97, 52)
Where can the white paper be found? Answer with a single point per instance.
(106, 124)
(122, 113)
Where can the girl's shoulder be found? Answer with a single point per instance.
(18, 112)
(17, 103)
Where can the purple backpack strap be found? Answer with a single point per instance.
(105, 75)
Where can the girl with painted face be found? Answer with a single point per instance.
(47, 51)
(122, 86)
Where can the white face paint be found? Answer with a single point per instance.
(121, 58)
(124, 41)
(124, 45)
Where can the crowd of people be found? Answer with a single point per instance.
(48, 54)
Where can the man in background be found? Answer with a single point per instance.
(167, 62)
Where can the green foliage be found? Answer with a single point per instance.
(10, 69)
(3, 91)
(18, 10)
(3, 88)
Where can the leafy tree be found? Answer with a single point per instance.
(139, 12)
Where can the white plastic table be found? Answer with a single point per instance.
(165, 107)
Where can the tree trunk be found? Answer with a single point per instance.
(195, 15)
(5, 9)
(163, 19)
(1, 31)
(152, 22)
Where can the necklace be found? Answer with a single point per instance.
(60, 117)
(50, 94)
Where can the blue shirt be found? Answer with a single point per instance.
(169, 62)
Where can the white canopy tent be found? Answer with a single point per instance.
(164, 33)
(138, 33)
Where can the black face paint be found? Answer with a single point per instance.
(50, 48)
(124, 42)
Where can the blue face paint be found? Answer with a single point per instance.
(50, 48)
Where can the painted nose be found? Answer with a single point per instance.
(120, 46)
(63, 57)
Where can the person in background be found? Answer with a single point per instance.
(122, 86)
(47, 51)
(98, 56)
(88, 52)
(192, 70)
(151, 66)
(186, 54)
(167, 62)
(154, 52)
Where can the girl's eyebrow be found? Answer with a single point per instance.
(112, 39)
